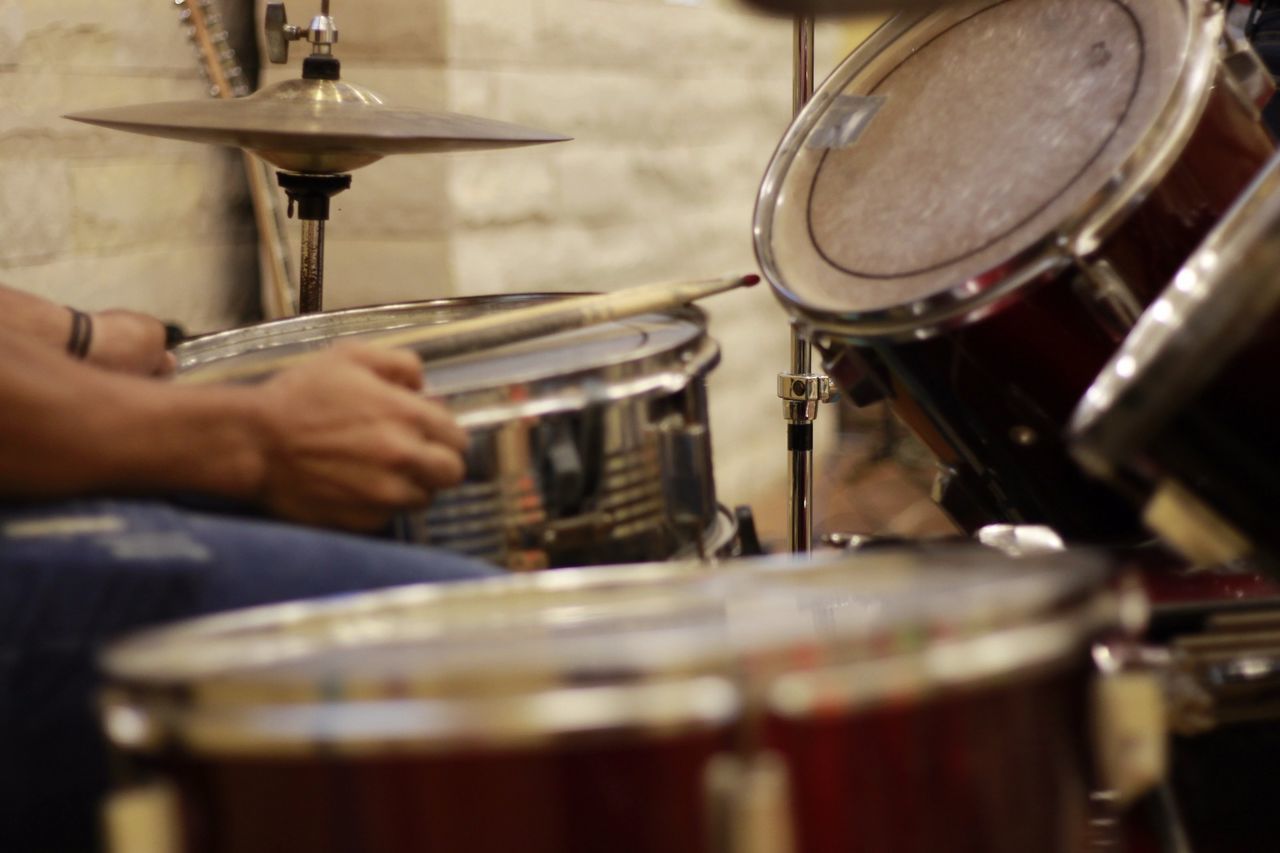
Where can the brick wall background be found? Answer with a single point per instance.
(675, 110)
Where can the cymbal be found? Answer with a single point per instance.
(316, 126)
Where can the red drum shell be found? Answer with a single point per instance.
(989, 382)
(1000, 768)
(559, 798)
(992, 399)
(452, 718)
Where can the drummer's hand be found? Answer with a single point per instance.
(351, 440)
(129, 342)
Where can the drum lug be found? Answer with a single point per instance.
(1247, 76)
(689, 482)
(1111, 299)
(144, 820)
(750, 804)
(1130, 723)
(1189, 525)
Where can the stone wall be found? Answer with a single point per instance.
(99, 218)
(675, 110)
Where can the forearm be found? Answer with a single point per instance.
(68, 429)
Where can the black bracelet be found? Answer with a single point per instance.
(81, 334)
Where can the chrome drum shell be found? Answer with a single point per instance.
(587, 447)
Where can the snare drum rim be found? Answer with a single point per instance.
(179, 685)
(1070, 244)
(624, 376)
(1217, 302)
(198, 351)
(422, 725)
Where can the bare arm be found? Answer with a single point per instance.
(122, 340)
(345, 441)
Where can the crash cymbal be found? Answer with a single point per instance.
(316, 126)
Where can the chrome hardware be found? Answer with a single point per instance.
(322, 33)
(1021, 540)
(1112, 300)
(801, 394)
(800, 413)
(1192, 527)
(1130, 723)
(750, 804)
(144, 820)
(1228, 674)
(1247, 75)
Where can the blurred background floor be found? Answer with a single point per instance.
(874, 479)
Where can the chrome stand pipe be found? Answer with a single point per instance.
(801, 390)
(309, 196)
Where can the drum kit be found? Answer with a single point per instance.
(1046, 234)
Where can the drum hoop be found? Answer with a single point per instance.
(622, 377)
(1216, 304)
(1072, 242)
(206, 647)
(599, 384)
(316, 323)
(444, 724)
(968, 663)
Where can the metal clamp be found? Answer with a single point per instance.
(1247, 75)
(322, 33)
(801, 394)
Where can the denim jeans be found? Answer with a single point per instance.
(73, 576)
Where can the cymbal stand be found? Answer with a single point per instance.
(309, 193)
(801, 390)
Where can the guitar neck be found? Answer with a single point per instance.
(226, 78)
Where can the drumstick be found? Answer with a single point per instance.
(460, 337)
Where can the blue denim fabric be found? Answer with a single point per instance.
(73, 576)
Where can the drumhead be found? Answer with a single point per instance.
(1218, 302)
(666, 349)
(954, 143)
(647, 647)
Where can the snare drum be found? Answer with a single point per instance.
(974, 208)
(586, 447)
(900, 701)
(1184, 417)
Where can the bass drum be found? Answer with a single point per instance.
(977, 204)
(587, 447)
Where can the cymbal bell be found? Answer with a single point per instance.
(316, 126)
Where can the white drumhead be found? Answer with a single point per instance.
(971, 136)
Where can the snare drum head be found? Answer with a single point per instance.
(953, 143)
